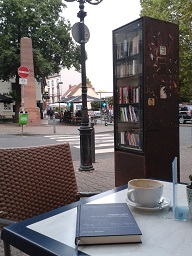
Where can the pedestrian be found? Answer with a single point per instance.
(51, 112)
(48, 111)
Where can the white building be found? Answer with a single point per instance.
(58, 84)
(7, 109)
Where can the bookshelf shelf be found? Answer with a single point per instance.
(145, 124)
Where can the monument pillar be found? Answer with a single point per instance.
(30, 105)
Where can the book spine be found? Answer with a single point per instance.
(77, 237)
(120, 95)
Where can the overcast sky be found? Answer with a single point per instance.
(101, 20)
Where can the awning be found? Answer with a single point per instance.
(78, 99)
(6, 99)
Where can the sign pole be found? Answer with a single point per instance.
(23, 72)
(22, 97)
(22, 101)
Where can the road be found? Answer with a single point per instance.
(103, 139)
(185, 135)
(104, 144)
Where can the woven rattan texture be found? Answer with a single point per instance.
(35, 180)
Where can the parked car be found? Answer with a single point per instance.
(185, 113)
(94, 113)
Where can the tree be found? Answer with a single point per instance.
(110, 101)
(179, 12)
(95, 105)
(53, 47)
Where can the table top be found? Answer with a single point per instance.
(53, 233)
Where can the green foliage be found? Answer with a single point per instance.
(110, 101)
(179, 12)
(95, 105)
(41, 21)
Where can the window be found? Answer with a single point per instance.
(7, 107)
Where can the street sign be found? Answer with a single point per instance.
(76, 32)
(23, 81)
(23, 72)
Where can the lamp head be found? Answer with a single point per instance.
(94, 2)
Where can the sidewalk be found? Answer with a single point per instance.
(47, 127)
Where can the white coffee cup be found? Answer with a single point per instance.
(145, 192)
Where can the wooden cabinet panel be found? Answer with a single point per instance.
(146, 101)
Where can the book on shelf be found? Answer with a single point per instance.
(106, 224)
(120, 95)
(119, 51)
(125, 95)
(125, 48)
(128, 68)
(128, 94)
(129, 114)
(129, 47)
(130, 139)
(135, 44)
(122, 138)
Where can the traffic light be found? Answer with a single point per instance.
(103, 104)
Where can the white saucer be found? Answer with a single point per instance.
(165, 203)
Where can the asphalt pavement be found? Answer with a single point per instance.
(102, 178)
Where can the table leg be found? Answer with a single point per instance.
(7, 249)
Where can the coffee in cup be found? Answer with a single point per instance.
(145, 192)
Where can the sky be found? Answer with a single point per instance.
(101, 19)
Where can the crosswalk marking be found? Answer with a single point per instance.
(99, 145)
(104, 150)
(104, 143)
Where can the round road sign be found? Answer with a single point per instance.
(76, 32)
(23, 71)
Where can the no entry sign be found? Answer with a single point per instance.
(23, 71)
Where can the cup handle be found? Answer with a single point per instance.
(130, 195)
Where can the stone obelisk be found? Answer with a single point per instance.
(30, 105)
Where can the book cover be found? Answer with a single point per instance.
(127, 99)
(122, 114)
(124, 94)
(122, 138)
(120, 95)
(106, 224)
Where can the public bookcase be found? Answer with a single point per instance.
(146, 74)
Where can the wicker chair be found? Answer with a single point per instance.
(34, 180)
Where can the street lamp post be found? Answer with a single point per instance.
(85, 129)
(59, 91)
(59, 97)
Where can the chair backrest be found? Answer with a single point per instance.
(34, 180)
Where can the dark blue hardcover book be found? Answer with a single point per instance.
(106, 224)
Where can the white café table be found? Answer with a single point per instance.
(53, 233)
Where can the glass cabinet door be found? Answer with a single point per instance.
(128, 69)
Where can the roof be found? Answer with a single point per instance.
(72, 90)
(76, 99)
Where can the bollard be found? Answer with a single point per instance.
(93, 143)
(54, 129)
(110, 118)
